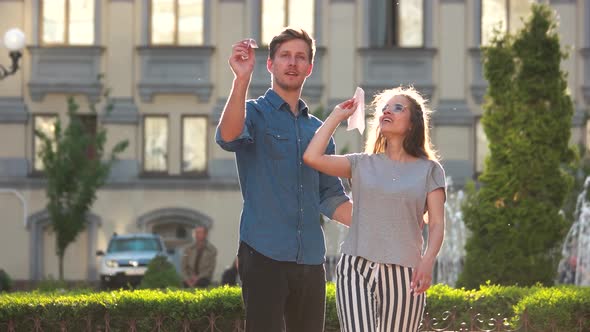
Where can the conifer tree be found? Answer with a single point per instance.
(515, 217)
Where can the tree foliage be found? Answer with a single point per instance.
(515, 216)
(75, 165)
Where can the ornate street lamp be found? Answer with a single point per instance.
(14, 41)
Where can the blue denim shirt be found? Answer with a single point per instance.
(283, 197)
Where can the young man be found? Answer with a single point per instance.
(282, 247)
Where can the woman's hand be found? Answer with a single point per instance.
(344, 110)
(422, 276)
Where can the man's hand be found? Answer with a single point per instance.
(242, 59)
(233, 116)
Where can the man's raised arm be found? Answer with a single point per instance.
(241, 63)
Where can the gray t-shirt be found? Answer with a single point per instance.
(389, 205)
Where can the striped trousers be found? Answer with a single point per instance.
(372, 297)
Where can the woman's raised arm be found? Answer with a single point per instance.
(315, 155)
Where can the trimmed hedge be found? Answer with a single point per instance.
(565, 307)
(560, 308)
(123, 307)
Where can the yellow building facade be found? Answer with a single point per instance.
(165, 64)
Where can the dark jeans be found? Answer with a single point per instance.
(281, 296)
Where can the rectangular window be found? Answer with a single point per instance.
(194, 144)
(396, 23)
(481, 147)
(502, 15)
(177, 22)
(67, 22)
(46, 125)
(155, 142)
(277, 14)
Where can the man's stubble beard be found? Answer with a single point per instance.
(288, 87)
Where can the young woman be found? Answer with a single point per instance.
(397, 184)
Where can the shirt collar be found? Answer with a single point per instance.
(277, 102)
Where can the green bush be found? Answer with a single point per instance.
(515, 216)
(566, 307)
(123, 307)
(51, 284)
(488, 301)
(332, 323)
(160, 274)
(5, 281)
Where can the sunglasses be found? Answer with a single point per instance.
(395, 108)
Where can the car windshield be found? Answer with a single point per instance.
(137, 244)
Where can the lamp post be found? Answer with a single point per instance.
(14, 41)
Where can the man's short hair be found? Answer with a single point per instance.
(290, 34)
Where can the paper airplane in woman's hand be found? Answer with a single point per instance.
(357, 119)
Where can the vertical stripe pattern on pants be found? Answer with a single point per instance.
(375, 297)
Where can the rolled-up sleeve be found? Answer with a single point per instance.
(244, 138)
(331, 189)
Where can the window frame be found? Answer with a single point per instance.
(507, 18)
(205, 172)
(149, 173)
(314, 34)
(176, 24)
(66, 36)
(476, 124)
(389, 25)
(34, 170)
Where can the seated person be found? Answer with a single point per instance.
(198, 260)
